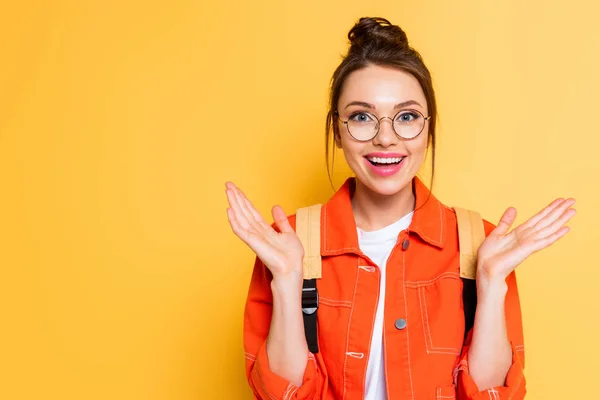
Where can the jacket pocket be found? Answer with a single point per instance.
(332, 327)
(445, 393)
(442, 318)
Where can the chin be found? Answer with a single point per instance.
(386, 186)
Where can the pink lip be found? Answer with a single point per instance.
(387, 170)
(386, 155)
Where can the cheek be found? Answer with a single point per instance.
(350, 151)
(349, 146)
(417, 147)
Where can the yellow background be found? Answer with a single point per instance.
(120, 122)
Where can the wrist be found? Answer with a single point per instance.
(292, 272)
(488, 281)
(288, 282)
(491, 287)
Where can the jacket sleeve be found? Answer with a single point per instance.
(514, 386)
(265, 384)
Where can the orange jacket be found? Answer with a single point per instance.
(427, 359)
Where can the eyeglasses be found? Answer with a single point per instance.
(364, 126)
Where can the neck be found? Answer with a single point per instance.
(373, 211)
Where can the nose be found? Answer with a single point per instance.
(386, 135)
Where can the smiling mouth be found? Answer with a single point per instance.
(382, 162)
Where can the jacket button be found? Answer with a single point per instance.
(405, 244)
(400, 324)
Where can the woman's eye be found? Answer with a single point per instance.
(361, 117)
(407, 117)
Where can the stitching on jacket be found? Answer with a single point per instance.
(439, 395)
(412, 390)
(324, 228)
(423, 319)
(364, 377)
(493, 394)
(520, 347)
(293, 392)
(250, 356)
(287, 391)
(462, 366)
(440, 241)
(434, 349)
(360, 356)
(341, 250)
(262, 384)
(348, 330)
(326, 250)
(367, 268)
(420, 232)
(441, 223)
(516, 386)
(335, 303)
(415, 284)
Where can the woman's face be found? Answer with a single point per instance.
(382, 92)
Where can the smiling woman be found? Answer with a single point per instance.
(392, 317)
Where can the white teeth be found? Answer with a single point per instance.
(380, 160)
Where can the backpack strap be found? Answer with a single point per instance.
(471, 234)
(308, 228)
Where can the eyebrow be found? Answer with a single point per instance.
(372, 107)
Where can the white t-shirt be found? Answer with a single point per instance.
(377, 245)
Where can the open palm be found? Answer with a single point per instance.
(281, 252)
(502, 251)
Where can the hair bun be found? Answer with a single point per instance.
(376, 31)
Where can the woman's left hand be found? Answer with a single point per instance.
(502, 251)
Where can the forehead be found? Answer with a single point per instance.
(381, 86)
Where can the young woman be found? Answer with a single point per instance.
(390, 321)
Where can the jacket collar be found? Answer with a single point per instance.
(339, 234)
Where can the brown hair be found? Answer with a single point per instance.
(375, 41)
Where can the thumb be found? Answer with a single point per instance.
(506, 221)
(281, 220)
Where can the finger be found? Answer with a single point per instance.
(253, 211)
(506, 221)
(554, 214)
(255, 219)
(550, 240)
(281, 220)
(534, 220)
(249, 236)
(258, 219)
(235, 226)
(232, 220)
(557, 224)
(242, 205)
(236, 209)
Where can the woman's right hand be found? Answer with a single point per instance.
(282, 253)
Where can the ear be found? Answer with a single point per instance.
(338, 141)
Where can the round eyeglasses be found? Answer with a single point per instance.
(364, 126)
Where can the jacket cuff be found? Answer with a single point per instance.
(513, 389)
(270, 386)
